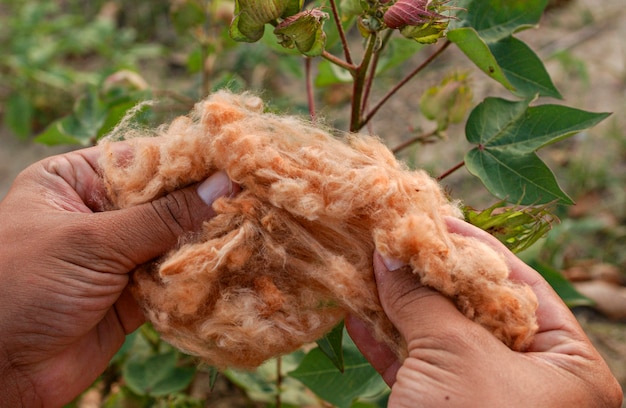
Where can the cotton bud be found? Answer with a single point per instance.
(449, 102)
(410, 13)
(304, 31)
(420, 20)
(252, 15)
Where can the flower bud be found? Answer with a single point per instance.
(304, 31)
(449, 102)
(252, 15)
(420, 20)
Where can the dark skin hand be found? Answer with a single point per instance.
(453, 362)
(64, 264)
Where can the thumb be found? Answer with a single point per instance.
(146, 231)
(417, 311)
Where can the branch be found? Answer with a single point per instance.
(372, 72)
(451, 170)
(404, 81)
(330, 57)
(342, 34)
(309, 88)
(420, 138)
(359, 84)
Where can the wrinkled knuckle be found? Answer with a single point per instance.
(78, 234)
(174, 212)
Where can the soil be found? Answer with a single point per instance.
(587, 32)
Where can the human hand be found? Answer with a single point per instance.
(64, 263)
(453, 361)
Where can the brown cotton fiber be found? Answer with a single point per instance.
(290, 255)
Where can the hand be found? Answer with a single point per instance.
(453, 361)
(64, 263)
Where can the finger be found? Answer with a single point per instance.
(146, 231)
(128, 312)
(414, 309)
(378, 354)
(552, 313)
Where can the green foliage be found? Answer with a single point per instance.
(42, 59)
(157, 375)
(357, 379)
(93, 116)
(332, 346)
(484, 34)
(507, 134)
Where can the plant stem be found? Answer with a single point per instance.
(409, 142)
(309, 88)
(279, 380)
(342, 34)
(372, 71)
(359, 84)
(337, 61)
(403, 82)
(451, 170)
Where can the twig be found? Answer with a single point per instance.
(419, 138)
(342, 34)
(403, 82)
(279, 380)
(337, 61)
(451, 170)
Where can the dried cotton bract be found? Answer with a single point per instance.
(289, 256)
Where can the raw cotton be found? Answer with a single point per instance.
(289, 256)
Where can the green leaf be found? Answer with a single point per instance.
(18, 114)
(115, 114)
(522, 179)
(340, 389)
(331, 346)
(84, 125)
(90, 112)
(507, 134)
(186, 15)
(157, 375)
(55, 134)
(523, 68)
(477, 50)
(260, 385)
(494, 20)
(498, 123)
(331, 74)
(562, 286)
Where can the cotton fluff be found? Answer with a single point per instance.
(290, 255)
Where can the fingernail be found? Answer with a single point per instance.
(392, 264)
(216, 186)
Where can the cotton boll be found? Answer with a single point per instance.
(291, 255)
